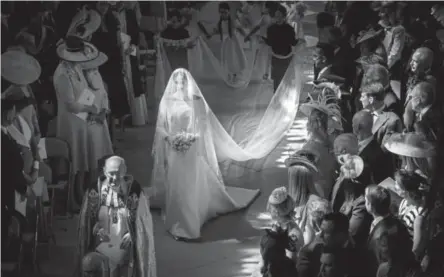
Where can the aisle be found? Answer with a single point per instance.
(230, 246)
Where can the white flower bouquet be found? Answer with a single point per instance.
(182, 141)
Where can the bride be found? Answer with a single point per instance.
(186, 179)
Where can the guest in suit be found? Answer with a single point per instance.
(334, 234)
(377, 203)
(333, 263)
(323, 63)
(427, 115)
(376, 73)
(12, 168)
(385, 123)
(369, 149)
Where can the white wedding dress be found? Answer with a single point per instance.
(188, 185)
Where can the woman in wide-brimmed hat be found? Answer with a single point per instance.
(99, 137)
(416, 151)
(71, 86)
(371, 48)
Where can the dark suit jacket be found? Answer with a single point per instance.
(359, 220)
(12, 168)
(386, 124)
(378, 162)
(396, 229)
(308, 263)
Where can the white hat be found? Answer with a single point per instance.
(20, 68)
(74, 49)
(90, 20)
(413, 145)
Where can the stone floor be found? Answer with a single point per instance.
(230, 243)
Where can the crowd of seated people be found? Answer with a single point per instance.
(365, 192)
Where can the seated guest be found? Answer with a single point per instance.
(370, 151)
(281, 208)
(334, 234)
(424, 111)
(377, 202)
(116, 208)
(281, 38)
(394, 38)
(332, 263)
(377, 73)
(385, 122)
(301, 187)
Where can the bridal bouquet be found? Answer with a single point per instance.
(182, 141)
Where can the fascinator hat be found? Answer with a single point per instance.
(74, 49)
(366, 35)
(280, 204)
(326, 104)
(412, 145)
(20, 68)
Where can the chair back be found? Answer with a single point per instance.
(58, 155)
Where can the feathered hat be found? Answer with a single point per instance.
(325, 103)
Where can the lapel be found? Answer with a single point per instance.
(382, 119)
(372, 232)
(336, 188)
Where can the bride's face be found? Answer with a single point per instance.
(180, 83)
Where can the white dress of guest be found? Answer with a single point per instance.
(100, 144)
(69, 83)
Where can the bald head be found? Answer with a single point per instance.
(346, 144)
(115, 168)
(362, 124)
(423, 95)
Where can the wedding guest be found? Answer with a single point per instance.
(369, 150)
(394, 38)
(371, 49)
(348, 191)
(323, 64)
(70, 85)
(106, 39)
(98, 134)
(281, 38)
(385, 122)
(301, 176)
(324, 21)
(334, 234)
(281, 207)
(377, 203)
(323, 121)
(12, 178)
(128, 27)
(425, 111)
(332, 263)
(376, 73)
